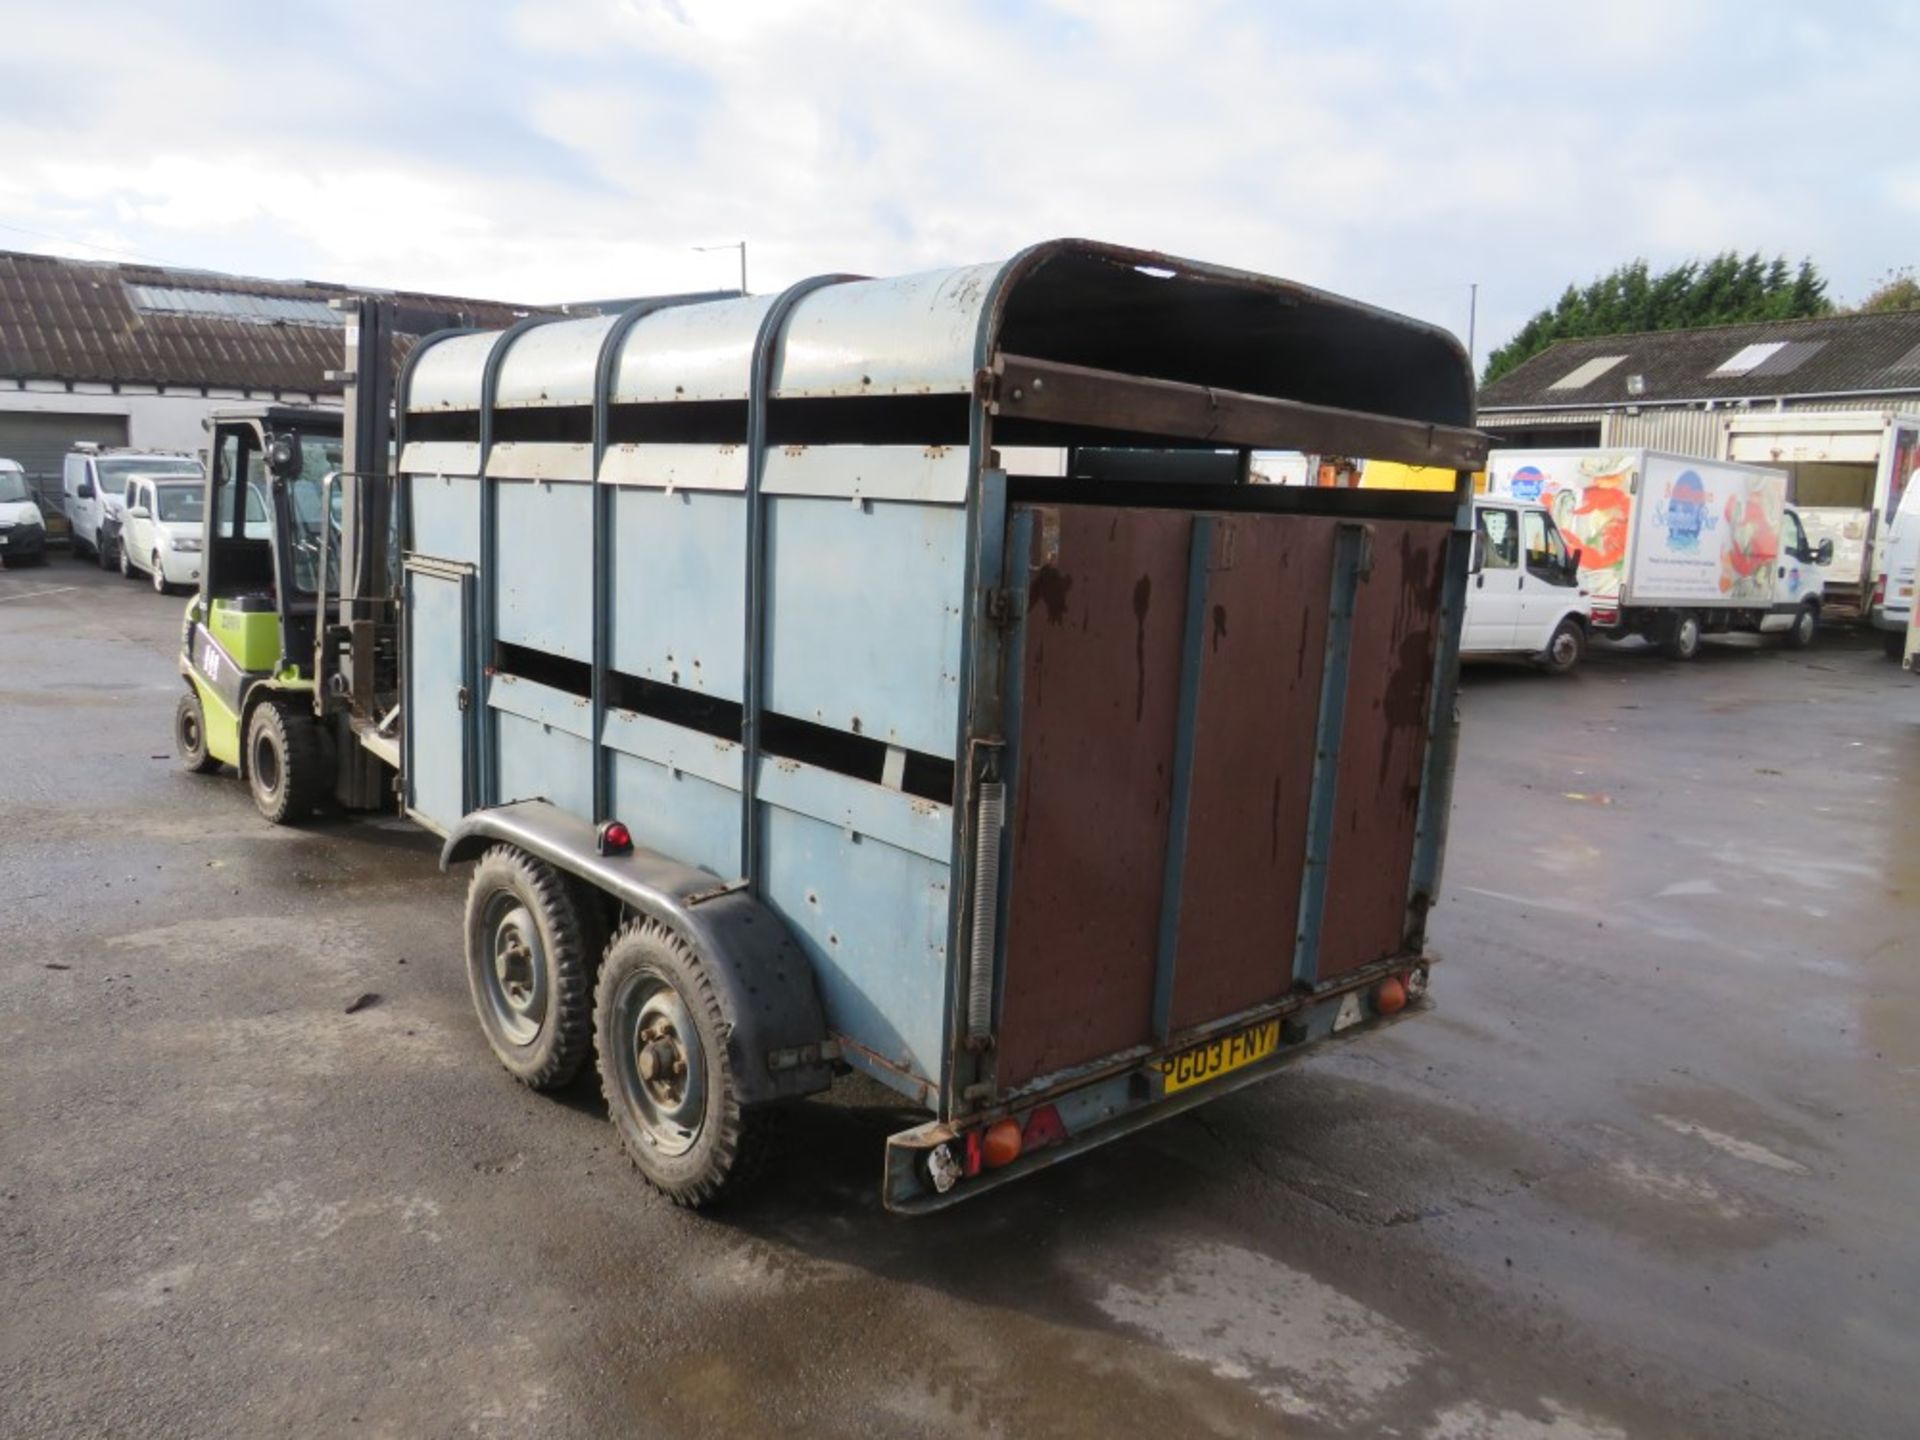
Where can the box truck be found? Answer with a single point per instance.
(1672, 547)
(1847, 471)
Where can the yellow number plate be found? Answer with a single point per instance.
(1212, 1060)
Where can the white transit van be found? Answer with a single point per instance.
(1893, 587)
(1524, 597)
(93, 487)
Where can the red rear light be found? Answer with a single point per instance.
(1879, 590)
(615, 839)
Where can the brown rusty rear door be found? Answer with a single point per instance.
(1169, 684)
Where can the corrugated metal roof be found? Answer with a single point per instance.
(79, 320)
(1836, 354)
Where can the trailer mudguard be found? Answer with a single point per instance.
(778, 1031)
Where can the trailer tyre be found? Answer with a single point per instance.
(1566, 649)
(530, 947)
(190, 736)
(661, 1033)
(1683, 636)
(286, 765)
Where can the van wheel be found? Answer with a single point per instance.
(1894, 644)
(108, 555)
(285, 762)
(1806, 625)
(667, 1074)
(126, 565)
(1683, 636)
(190, 736)
(1565, 649)
(160, 586)
(530, 947)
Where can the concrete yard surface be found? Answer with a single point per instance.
(1647, 1169)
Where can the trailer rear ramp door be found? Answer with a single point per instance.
(1173, 677)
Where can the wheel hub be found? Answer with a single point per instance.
(663, 1069)
(518, 992)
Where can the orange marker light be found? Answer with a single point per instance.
(1001, 1145)
(1390, 996)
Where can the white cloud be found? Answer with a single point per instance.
(582, 147)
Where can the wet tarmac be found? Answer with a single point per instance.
(1648, 1169)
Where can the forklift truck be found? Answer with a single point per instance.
(289, 650)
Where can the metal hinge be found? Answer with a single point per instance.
(1000, 606)
(462, 697)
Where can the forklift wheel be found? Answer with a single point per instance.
(285, 763)
(190, 736)
(531, 946)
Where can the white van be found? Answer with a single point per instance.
(162, 530)
(23, 529)
(1893, 587)
(1523, 593)
(93, 486)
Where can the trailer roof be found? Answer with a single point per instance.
(1072, 301)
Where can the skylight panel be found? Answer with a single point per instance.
(1747, 359)
(229, 305)
(1586, 374)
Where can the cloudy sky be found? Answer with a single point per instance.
(582, 148)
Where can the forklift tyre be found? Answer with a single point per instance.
(667, 1072)
(286, 763)
(530, 950)
(190, 736)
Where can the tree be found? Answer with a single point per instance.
(1723, 290)
(1897, 290)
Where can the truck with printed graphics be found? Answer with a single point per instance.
(1847, 472)
(1671, 547)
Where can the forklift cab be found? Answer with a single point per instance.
(268, 511)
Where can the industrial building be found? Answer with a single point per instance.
(139, 354)
(1675, 390)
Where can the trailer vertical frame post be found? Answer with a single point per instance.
(1443, 721)
(1174, 871)
(753, 667)
(1351, 561)
(489, 617)
(605, 374)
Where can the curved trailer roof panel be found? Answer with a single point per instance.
(1071, 302)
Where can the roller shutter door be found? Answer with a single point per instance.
(40, 439)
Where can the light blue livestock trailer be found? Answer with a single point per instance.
(908, 675)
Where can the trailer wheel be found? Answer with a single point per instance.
(530, 947)
(1683, 636)
(1806, 625)
(1565, 650)
(190, 736)
(286, 767)
(662, 1035)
